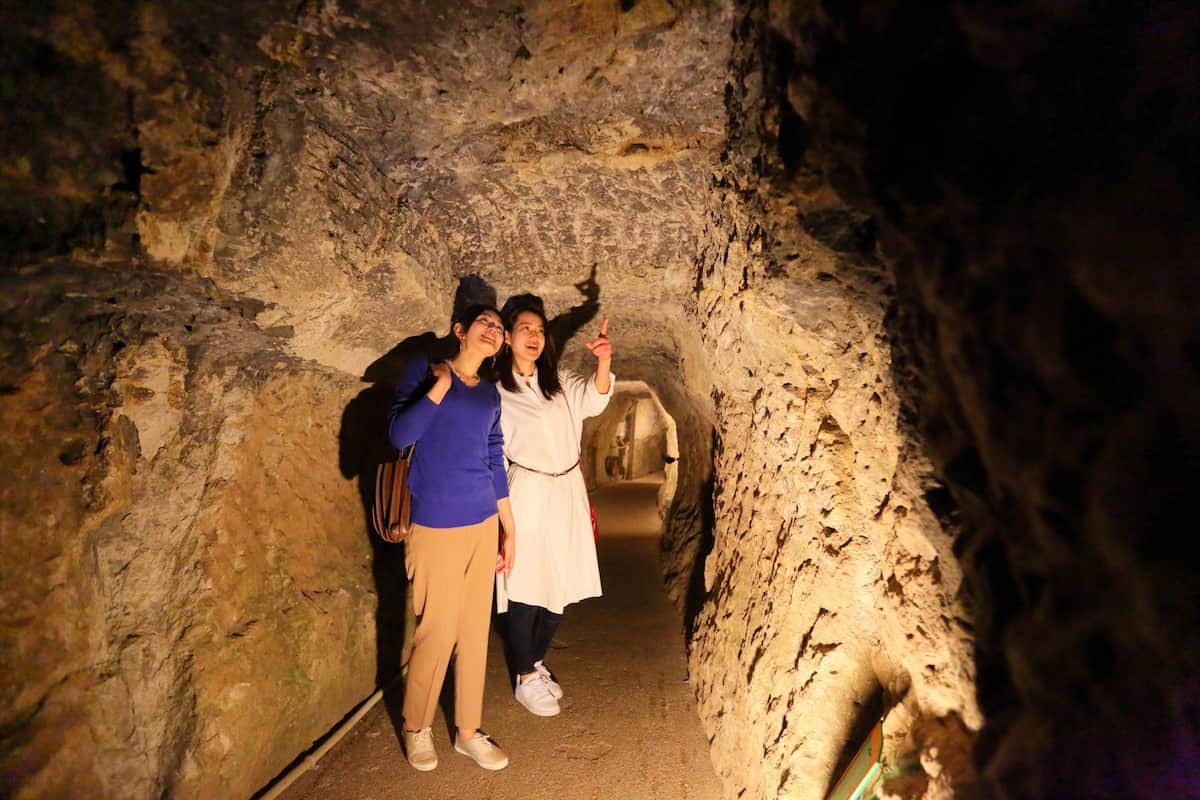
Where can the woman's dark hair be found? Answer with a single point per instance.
(466, 319)
(547, 362)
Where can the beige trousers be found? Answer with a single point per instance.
(452, 571)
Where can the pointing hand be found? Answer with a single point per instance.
(601, 346)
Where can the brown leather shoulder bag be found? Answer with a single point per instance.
(391, 513)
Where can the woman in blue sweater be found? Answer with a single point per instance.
(459, 494)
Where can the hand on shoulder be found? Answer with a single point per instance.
(441, 383)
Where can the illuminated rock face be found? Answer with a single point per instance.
(928, 423)
(187, 583)
(832, 596)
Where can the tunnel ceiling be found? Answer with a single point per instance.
(347, 163)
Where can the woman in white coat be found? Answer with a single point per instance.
(542, 413)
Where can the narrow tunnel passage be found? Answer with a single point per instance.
(916, 282)
(635, 438)
(628, 726)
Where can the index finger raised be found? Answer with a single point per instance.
(604, 327)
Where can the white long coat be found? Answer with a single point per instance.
(556, 552)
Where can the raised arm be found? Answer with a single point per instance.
(601, 348)
(598, 391)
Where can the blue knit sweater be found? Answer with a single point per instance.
(457, 472)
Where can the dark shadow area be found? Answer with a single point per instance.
(1028, 181)
(386, 369)
(445, 700)
(693, 601)
(567, 324)
(500, 626)
(362, 447)
(870, 711)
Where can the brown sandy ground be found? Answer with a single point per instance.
(628, 729)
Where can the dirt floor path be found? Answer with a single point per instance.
(628, 729)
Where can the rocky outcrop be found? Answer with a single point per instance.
(187, 584)
(832, 595)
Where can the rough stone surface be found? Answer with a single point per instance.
(1031, 170)
(832, 595)
(179, 548)
(924, 317)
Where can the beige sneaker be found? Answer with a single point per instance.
(482, 750)
(419, 748)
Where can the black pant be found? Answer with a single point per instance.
(530, 630)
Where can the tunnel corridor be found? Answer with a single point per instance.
(628, 725)
(904, 294)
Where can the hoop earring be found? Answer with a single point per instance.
(493, 362)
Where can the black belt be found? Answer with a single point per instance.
(547, 474)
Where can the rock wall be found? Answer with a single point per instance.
(599, 433)
(187, 584)
(650, 442)
(832, 591)
(659, 440)
(832, 595)
(1030, 168)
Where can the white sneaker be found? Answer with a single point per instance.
(419, 749)
(555, 689)
(482, 750)
(534, 693)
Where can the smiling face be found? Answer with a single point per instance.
(527, 340)
(483, 335)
